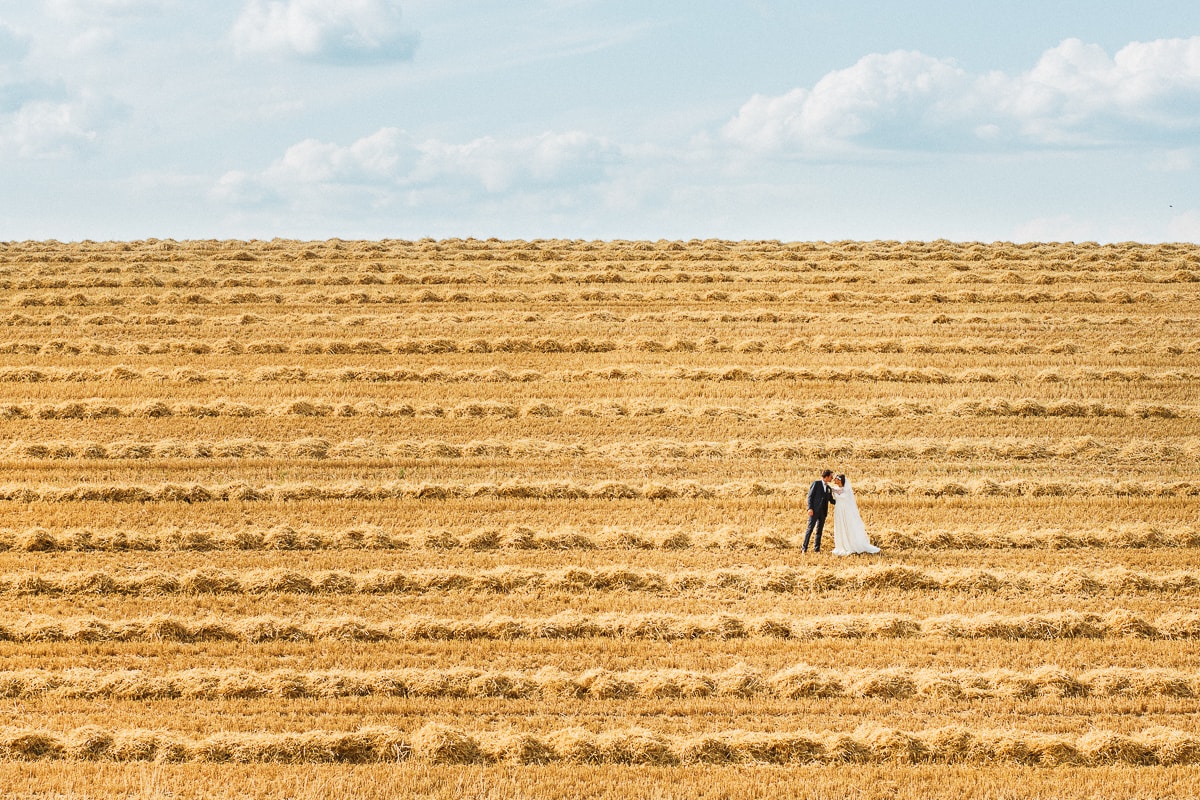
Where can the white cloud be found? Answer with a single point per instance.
(312, 168)
(90, 10)
(1179, 160)
(1185, 227)
(499, 165)
(86, 29)
(13, 46)
(47, 129)
(899, 93)
(324, 30)
(1076, 95)
(387, 155)
(239, 188)
(391, 161)
(39, 117)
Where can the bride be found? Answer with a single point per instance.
(849, 532)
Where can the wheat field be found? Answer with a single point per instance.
(506, 519)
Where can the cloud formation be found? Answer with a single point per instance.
(498, 165)
(336, 31)
(1075, 96)
(45, 129)
(104, 9)
(39, 117)
(390, 160)
(13, 47)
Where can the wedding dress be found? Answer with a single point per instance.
(849, 532)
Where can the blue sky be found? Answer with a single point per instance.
(1020, 121)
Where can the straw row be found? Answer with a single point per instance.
(287, 537)
(605, 490)
(99, 408)
(515, 273)
(542, 319)
(1078, 255)
(1014, 449)
(814, 292)
(798, 682)
(1117, 624)
(549, 345)
(440, 744)
(878, 373)
(452, 264)
(511, 580)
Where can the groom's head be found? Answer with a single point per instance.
(827, 475)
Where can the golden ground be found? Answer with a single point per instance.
(508, 519)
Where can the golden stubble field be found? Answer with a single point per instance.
(504, 519)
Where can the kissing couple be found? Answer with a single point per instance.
(849, 531)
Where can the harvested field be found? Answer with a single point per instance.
(503, 519)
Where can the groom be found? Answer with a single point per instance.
(820, 498)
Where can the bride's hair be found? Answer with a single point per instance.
(842, 477)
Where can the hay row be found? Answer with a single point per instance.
(280, 281)
(1116, 624)
(286, 537)
(1082, 255)
(801, 681)
(424, 272)
(1075, 449)
(542, 319)
(574, 579)
(605, 490)
(124, 373)
(99, 408)
(551, 296)
(440, 744)
(549, 345)
(514, 258)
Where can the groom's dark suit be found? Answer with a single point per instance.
(820, 498)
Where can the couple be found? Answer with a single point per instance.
(849, 532)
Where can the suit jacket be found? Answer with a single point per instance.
(820, 498)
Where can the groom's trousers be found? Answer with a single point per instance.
(817, 524)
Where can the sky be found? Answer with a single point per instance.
(1024, 120)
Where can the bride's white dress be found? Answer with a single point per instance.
(849, 532)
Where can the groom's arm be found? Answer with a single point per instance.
(812, 497)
